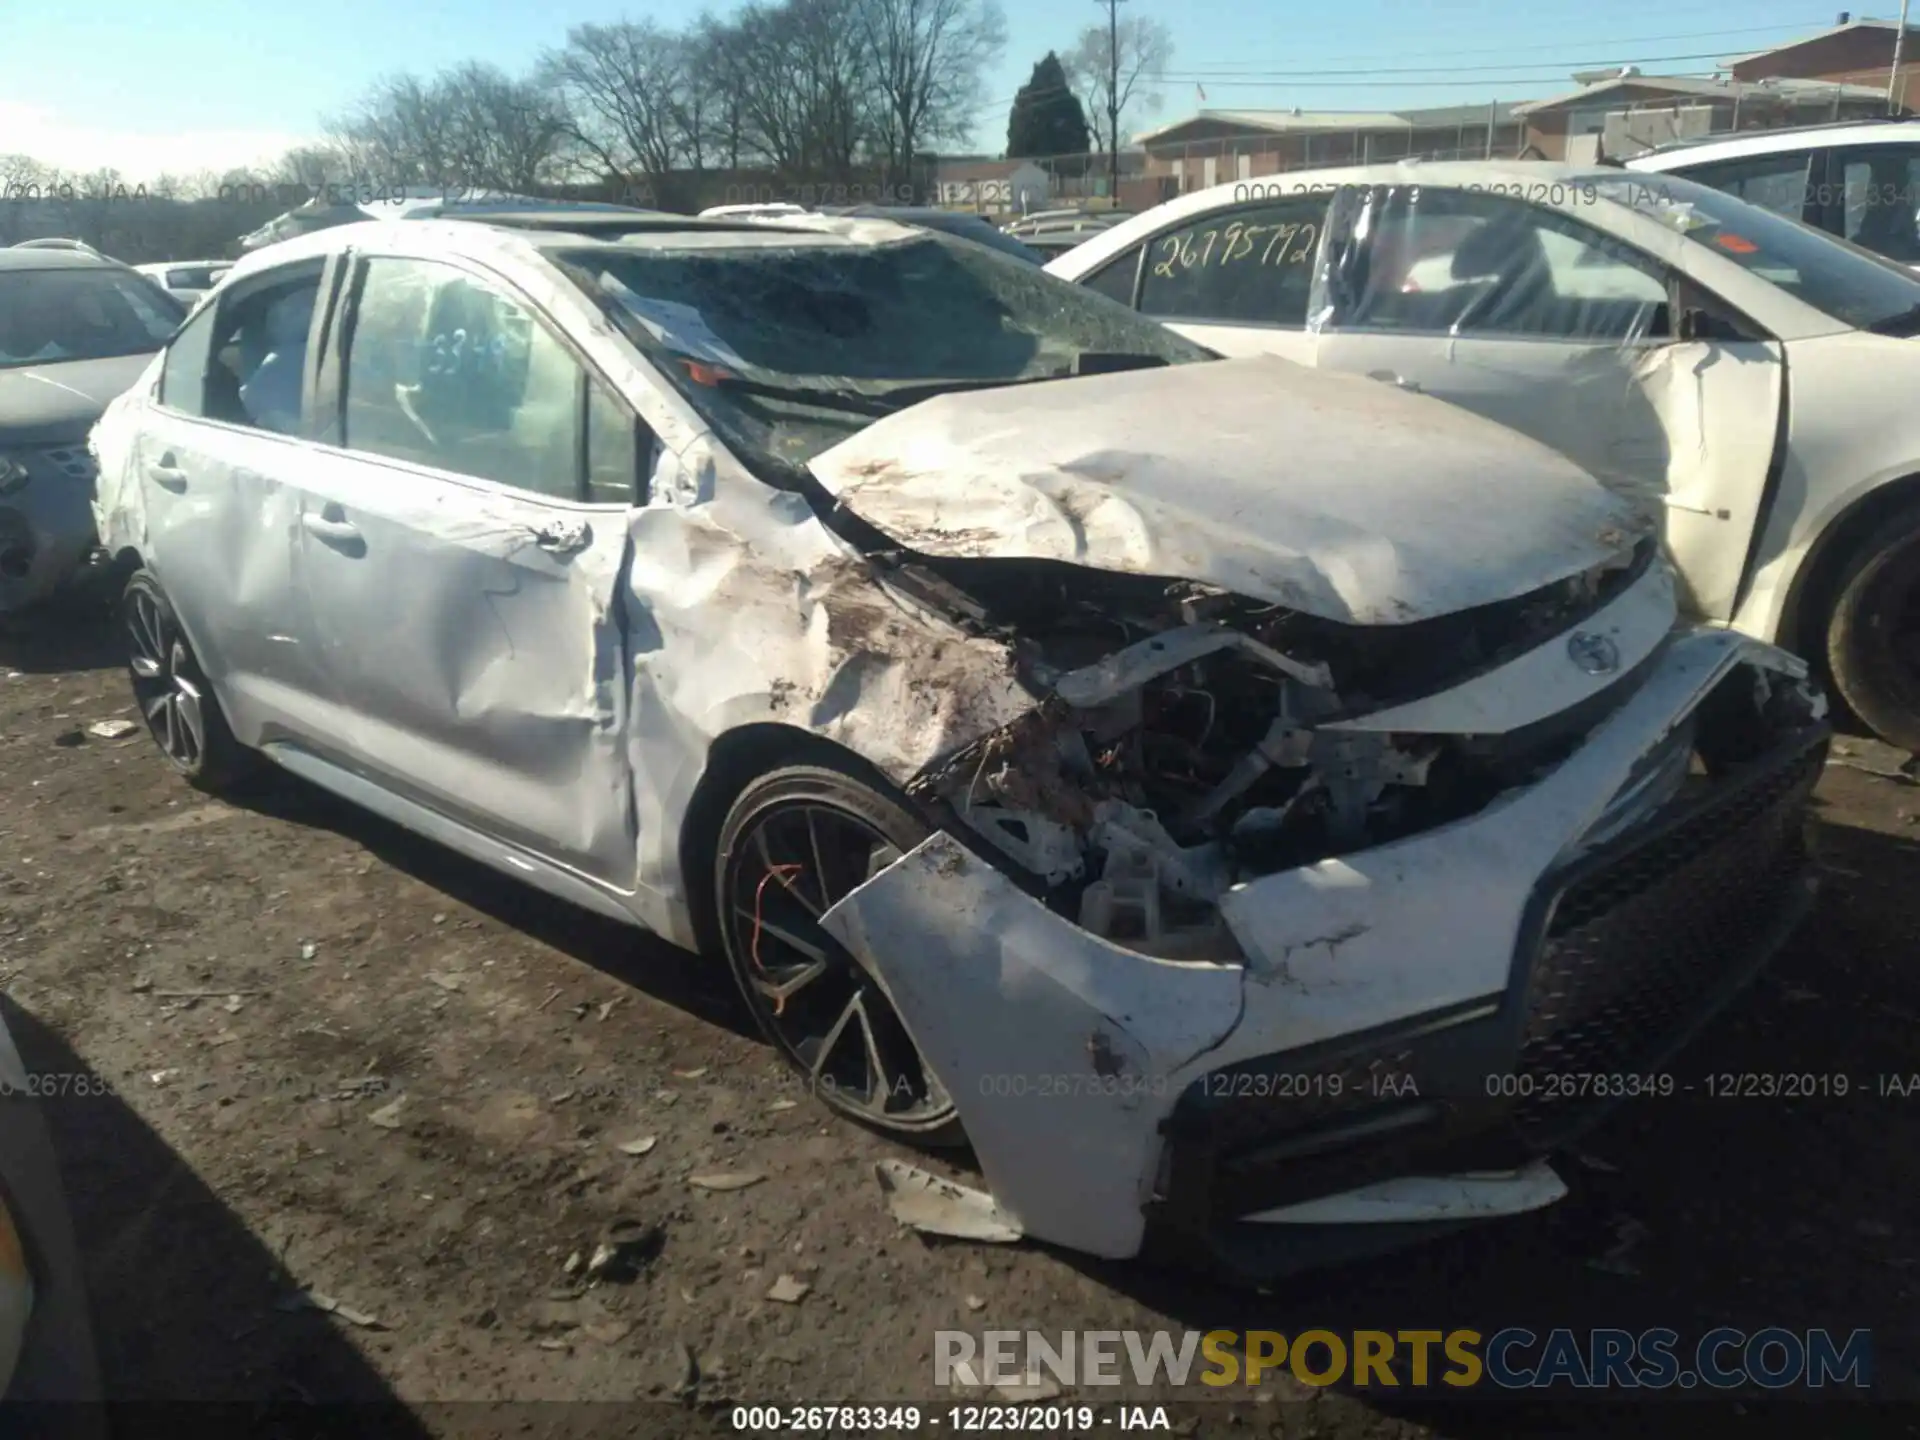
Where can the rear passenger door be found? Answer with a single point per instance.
(1236, 279)
(219, 453)
(463, 538)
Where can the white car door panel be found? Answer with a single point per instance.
(463, 585)
(221, 514)
(473, 640)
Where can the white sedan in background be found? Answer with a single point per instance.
(1750, 377)
(186, 280)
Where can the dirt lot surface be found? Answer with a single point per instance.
(339, 1060)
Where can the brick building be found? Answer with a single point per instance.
(1218, 146)
(1853, 52)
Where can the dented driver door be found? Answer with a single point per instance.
(461, 570)
(1552, 327)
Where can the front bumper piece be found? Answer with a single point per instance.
(1412, 1029)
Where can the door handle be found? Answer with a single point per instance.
(331, 526)
(165, 473)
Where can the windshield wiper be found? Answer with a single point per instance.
(825, 397)
(1090, 362)
(1906, 323)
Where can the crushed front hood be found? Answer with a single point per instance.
(1338, 496)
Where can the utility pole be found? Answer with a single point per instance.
(1113, 99)
(1893, 74)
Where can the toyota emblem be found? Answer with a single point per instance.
(1594, 654)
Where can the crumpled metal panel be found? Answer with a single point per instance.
(1065, 1052)
(1151, 472)
(745, 610)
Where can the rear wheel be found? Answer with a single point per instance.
(1873, 635)
(178, 704)
(796, 842)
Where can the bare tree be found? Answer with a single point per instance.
(927, 60)
(805, 92)
(624, 94)
(506, 133)
(718, 76)
(400, 135)
(1114, 71)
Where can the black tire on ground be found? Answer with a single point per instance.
(1873, 634)
(181, 711)
(797, 840)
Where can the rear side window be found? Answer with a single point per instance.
(1880, 201)
(1773, 182)
(1252, 266)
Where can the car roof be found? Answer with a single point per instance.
(1456, 174)
(1772, 142)
(16, 258)
(524, 237)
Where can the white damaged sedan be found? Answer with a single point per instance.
(1264, 813)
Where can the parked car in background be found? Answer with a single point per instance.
(764, 211)
(1859, 180)
(965, 224)
(1749, 378)
(1051, 233)
(50, 1383)
(75, 330)
(1006, 689)
(54, 242)
(186, 281)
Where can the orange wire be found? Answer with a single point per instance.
(774, 872)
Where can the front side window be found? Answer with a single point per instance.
(1853, 285)
(1248, 266)
(788, 346)
(81, 313)
(1773, 182)
(258, 372)
(1475, 263)
(1880, 206)
(446, 370)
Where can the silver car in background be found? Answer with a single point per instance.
(1062, 734)
(75, 330)
(187, 280)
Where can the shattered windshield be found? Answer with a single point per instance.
(54, 315)
(789, 350)
(1832, 275)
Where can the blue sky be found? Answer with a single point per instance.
(210, 83)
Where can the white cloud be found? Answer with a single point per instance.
(139, 155)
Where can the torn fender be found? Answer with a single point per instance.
(1055, 1045)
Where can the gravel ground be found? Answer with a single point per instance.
(317, 1056)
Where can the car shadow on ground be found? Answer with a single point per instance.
(630, 956)
(1691, 1212)
(52, 642)
(187, 1304)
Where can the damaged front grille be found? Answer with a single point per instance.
(1189, 741)
(1646, 933)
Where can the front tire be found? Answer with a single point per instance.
(1873, 635)
(182, 713)
(797, 841)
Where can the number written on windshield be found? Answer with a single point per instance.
(1288, 244)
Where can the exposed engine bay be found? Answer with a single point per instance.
(1184, 745)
